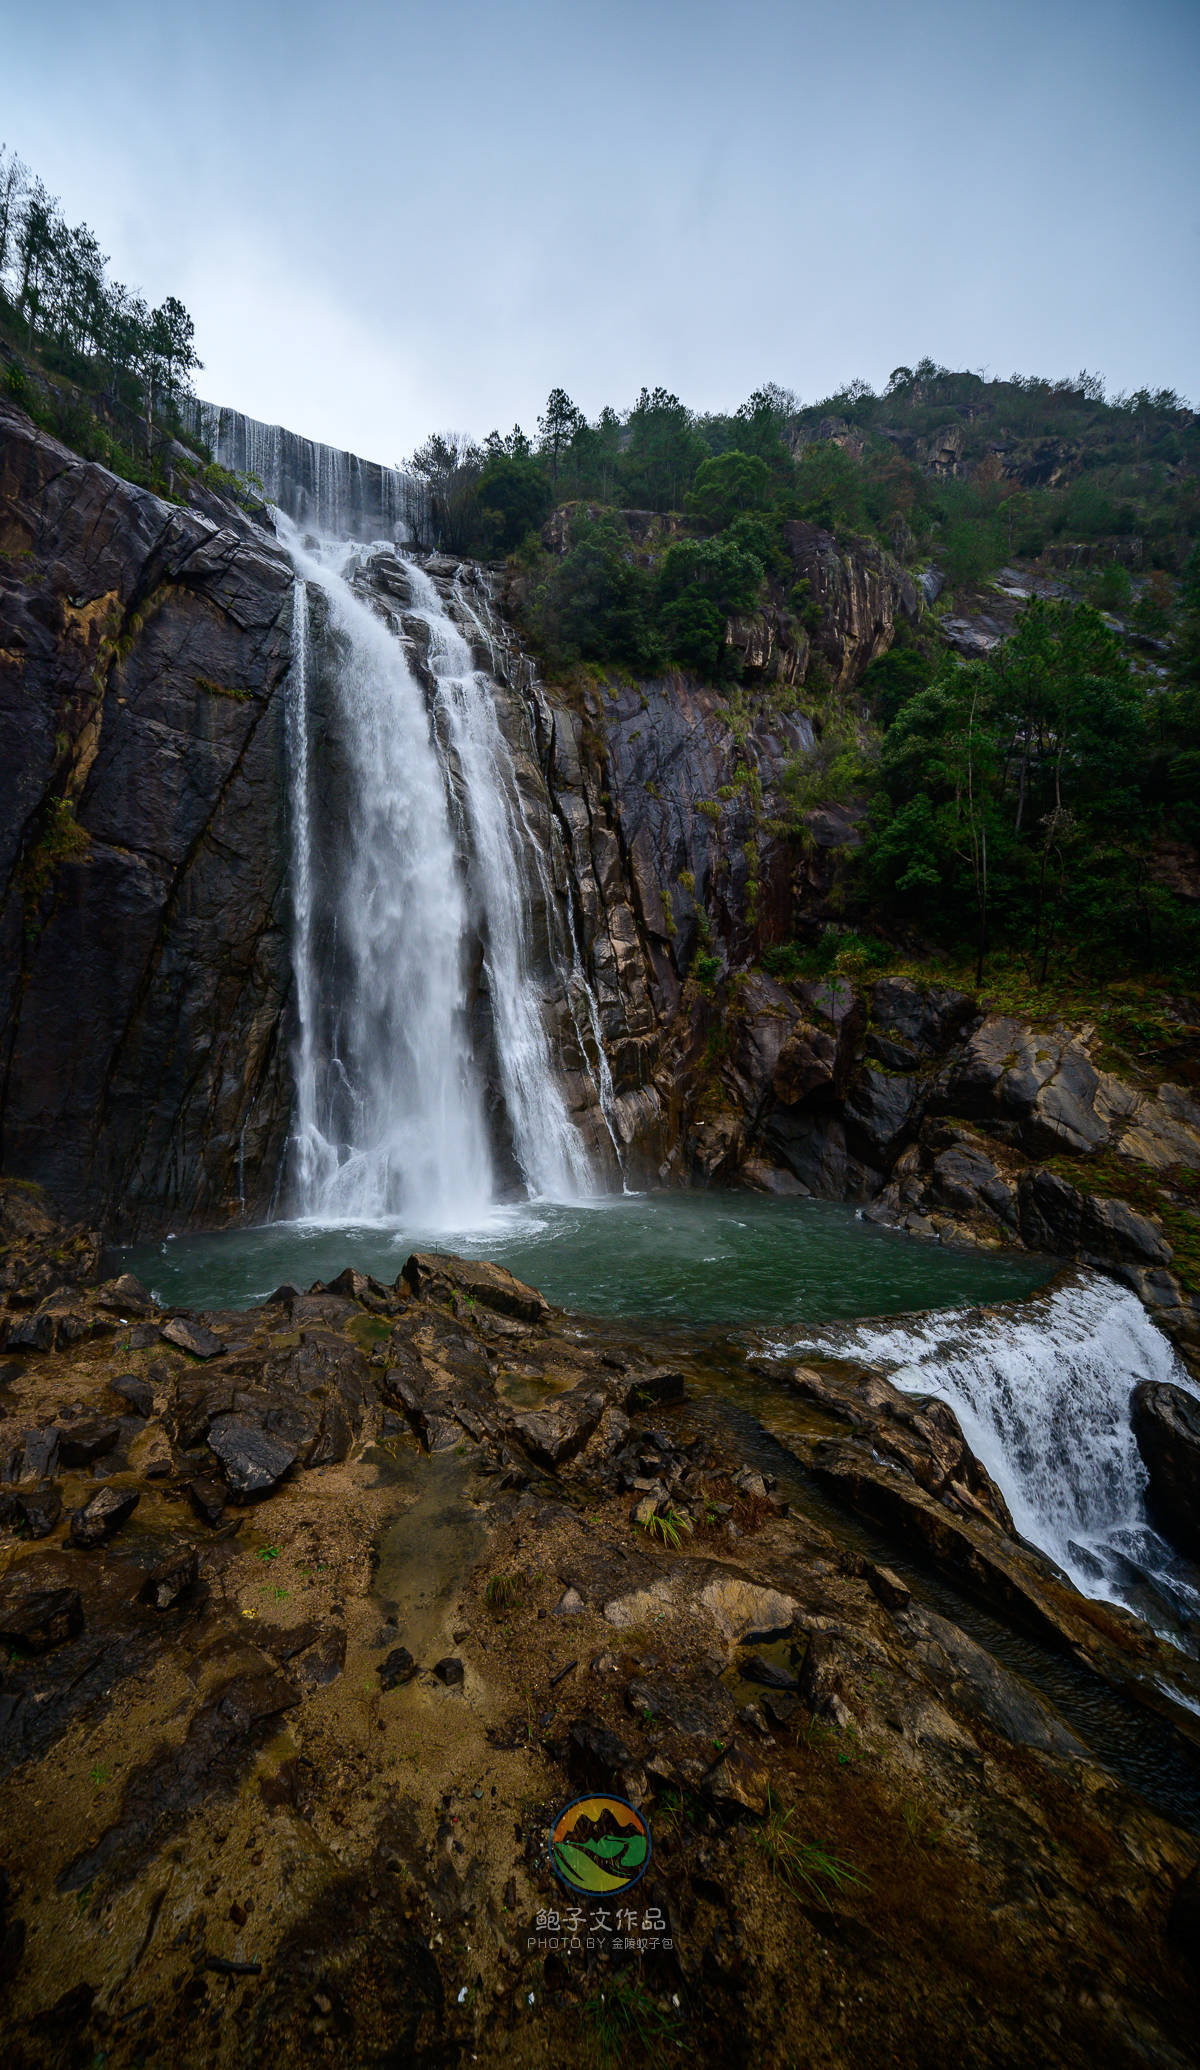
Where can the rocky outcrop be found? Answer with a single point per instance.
(860, 593)
(1166, 1423)
(279, 1756)
(143, 952)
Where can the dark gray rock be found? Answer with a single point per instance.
(1166, 1423)
(208, 1498)
(95, 1523)
(192, 1337)
(397, 1669)
(141, 993)
(252, 1460)
(80, 1443)
(175, 1580)
(42, 1508)
(767, 1672)
(137, 1393)
(450, 1671)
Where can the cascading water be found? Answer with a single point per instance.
(337, 493)
(389, 1109)
(1042, 1389)
(548, 1148)
(390, 1106)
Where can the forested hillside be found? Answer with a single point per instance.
(1019, 770)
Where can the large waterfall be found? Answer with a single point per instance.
(1042, 1389)
(339, 494)
(430, 854)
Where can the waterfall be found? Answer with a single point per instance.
(547, 1146)
(337, 494)
(389, 1115)
(305, 1131)
(1042, 1390)
(428, 851)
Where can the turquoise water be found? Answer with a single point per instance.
(700, 1259)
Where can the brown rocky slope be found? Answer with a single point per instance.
(315, 1615)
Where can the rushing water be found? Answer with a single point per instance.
(1042, 1389)
(336, 493)
(504, 862)
(389, 1114)
(430, 865)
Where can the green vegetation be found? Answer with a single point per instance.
(503, 1593)
(86, 356)
(1015, 798)
(1011, 804)
(668, 1525)
(805, 1868)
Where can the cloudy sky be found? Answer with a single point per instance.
(388, 218)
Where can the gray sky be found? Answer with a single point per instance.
(392, 218)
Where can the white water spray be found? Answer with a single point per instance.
(390, 1119)
(548, 1148)
(389, 1113)
(1042, 1389)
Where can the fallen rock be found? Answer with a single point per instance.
(766, 1672)
(192, 1337)
(125, 1297)
(208, 1498)
(137, 1393)
(107, 1510)
(42, 1509)
(739, 1779)
(597, 1750)
(397, 1669)
(80, 1443)
(450, 1671)
(323, 1661)
(173, 1580)
(429, 1278)
(253, 1461)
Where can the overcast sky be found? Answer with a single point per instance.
(391, 218)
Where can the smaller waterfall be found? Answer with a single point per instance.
(1042, 1389)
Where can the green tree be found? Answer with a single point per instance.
(515, 497)
(728, 484)
(559, 425)
(662, 451)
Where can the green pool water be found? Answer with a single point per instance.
(701, 1259)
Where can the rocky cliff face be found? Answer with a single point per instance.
(143, 955)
